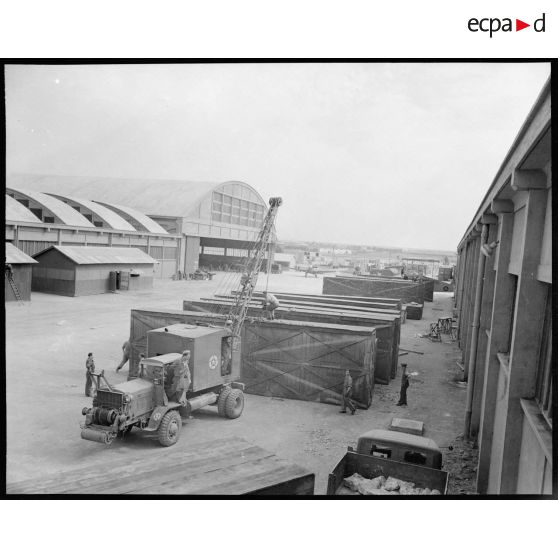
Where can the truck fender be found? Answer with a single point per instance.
(156, 417)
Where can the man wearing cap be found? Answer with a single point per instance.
(347, 390)
(181, 379)
(270, 304)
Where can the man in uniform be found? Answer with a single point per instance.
(404, 386)
(181, 379)
(90, 369)
(141, 370)
(270, 304)
(226, 355)
(347, 390)
(125, 354)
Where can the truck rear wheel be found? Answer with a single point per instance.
(169, 429)
(222, 400)
(234, 404)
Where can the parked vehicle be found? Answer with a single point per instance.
(388, 453)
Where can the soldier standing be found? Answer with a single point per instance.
(181, 379)
(125, 354)
(90, 370)
(347, 391)
(404, 386)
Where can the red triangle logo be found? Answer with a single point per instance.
(519, 25)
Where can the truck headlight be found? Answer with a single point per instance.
(127, 398)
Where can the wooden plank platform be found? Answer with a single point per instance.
(228, 466)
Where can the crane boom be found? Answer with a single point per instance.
(249, 279)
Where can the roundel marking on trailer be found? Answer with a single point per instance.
(213, 362)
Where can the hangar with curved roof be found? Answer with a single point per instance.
(218, 222)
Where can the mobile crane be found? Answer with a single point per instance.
(146, 400)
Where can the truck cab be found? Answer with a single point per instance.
(400, 446)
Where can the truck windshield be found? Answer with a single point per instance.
(151, 372)
(415, 457)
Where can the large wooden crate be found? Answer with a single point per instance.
(323, 302)
(360, 301)
(302, 360)
(406, 291)
(388, 327)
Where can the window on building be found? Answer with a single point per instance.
(48, 220)
(543, 393)
(214, 250)
(98, 224)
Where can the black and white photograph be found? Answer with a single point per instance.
(278, 279)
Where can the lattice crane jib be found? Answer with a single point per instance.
(249, 279)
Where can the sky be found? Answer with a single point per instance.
(381, 154)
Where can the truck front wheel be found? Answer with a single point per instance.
(222, 401)
(169, 430)
(234, 404)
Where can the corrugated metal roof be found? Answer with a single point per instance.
(112, 219)
(64, 212)
(144, 220)
(16, 256)
(88, 255)
(16, 211)
(179, 198)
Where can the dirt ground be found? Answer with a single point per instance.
(47, 341)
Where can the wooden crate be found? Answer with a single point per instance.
(388, 327)
(406, 291)
(229, 466)
(302, 360)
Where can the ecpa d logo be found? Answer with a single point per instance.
(493, 25)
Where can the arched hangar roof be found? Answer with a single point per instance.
(62, 212)
(16, 211)
(177, 198)
(109, 217)
(139, 220)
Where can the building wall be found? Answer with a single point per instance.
(22, 278)
(53, 273)
(95, 279)
(33, 239)
(509, 374)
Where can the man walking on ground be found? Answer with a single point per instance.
(347, 391)
(90, 370)
(404, 386)
(125, 354)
